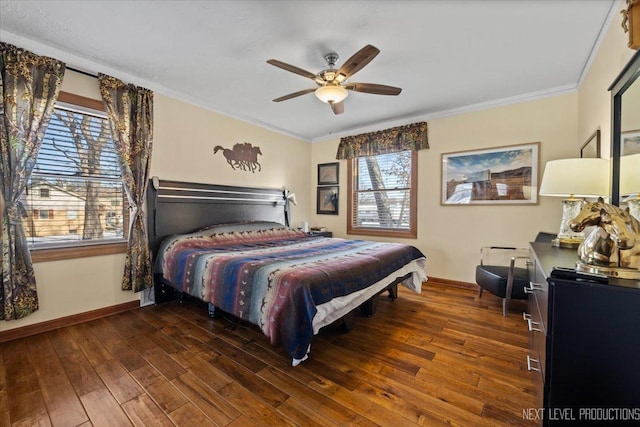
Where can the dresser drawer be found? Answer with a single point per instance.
(536, 321)
(538, 291)
(537, 340)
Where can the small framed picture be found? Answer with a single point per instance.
(630, 143)
(500, 175)
(591, 148)
(328, 173)
(327, 203)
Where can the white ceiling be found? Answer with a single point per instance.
(447, 56)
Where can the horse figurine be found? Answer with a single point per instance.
(629, 249)
(616, 240)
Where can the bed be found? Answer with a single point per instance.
(231, 247)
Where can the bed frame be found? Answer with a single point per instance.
(175, 207)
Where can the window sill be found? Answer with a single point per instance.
(380, 232)
(57, 254)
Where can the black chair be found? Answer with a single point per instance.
(500, 274)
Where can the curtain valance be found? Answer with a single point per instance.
(401, 138)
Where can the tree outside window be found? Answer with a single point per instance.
(382, 194)
(76, 181)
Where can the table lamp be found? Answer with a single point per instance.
(630, 183)
(572, 178)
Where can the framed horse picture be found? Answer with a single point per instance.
(327, 202)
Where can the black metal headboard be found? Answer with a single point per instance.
(175, 207)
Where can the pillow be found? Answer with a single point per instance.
(239, 226)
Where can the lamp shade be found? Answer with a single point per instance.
(630, 174)
(575, 177)
(331, 93)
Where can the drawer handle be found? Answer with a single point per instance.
(532, 288)
(530, 367)
(528, 263)
(534, 326)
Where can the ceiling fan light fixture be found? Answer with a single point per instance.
(331, 94)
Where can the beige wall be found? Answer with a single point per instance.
(451, 236)
(184, 137)
(594, 100)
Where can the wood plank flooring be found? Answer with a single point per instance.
(439, 358)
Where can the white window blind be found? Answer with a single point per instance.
(382, 191)
(75, 194)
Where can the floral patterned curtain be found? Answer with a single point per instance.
(130, 111)
(29, 87)
(401, 138)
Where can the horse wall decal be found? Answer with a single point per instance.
(616, 240)
(241, 156)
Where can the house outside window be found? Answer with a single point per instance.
(75, 182)
(382, 195)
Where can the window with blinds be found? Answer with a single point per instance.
(382, 194)
(75, 194)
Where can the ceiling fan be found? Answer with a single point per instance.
(332, 84)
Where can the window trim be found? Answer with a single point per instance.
(412, 232)
(86, 250)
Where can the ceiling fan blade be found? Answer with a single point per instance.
(374, 88)
(358, 61)
(294, 94)
(292, 68)
(337, 107)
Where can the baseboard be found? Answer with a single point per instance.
(457, 284)
(74, 319)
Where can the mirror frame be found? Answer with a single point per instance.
(627, 76)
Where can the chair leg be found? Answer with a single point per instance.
(480, 292)
(509, 290)
(505, 306)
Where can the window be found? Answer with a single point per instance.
(382, 195)
(75, 184)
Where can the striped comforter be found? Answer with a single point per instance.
(276, 278)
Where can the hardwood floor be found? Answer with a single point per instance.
(439, 358)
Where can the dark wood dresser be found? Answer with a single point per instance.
(585, 344)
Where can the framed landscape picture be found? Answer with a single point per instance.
(501, 175)
(630, 143)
